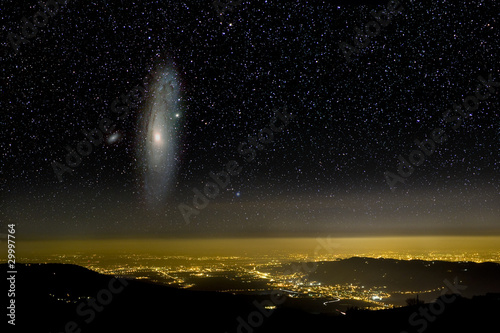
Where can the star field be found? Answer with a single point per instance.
(323, 173)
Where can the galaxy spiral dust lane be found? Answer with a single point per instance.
(160, 132)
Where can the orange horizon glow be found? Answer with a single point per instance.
(409, 246)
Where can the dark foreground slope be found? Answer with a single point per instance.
(67, 298)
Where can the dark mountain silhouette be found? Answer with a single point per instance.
(409, 275)
(48, 296)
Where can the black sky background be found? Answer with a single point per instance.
(323, 174)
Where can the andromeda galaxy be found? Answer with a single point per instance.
(160, 133)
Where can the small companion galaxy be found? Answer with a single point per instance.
(112, 134)
(240, 158)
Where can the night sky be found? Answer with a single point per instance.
(324, 172)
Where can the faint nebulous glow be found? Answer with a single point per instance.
(114, 138)
(160, 130)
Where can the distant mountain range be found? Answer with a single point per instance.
(410, 275)
(68, 298)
